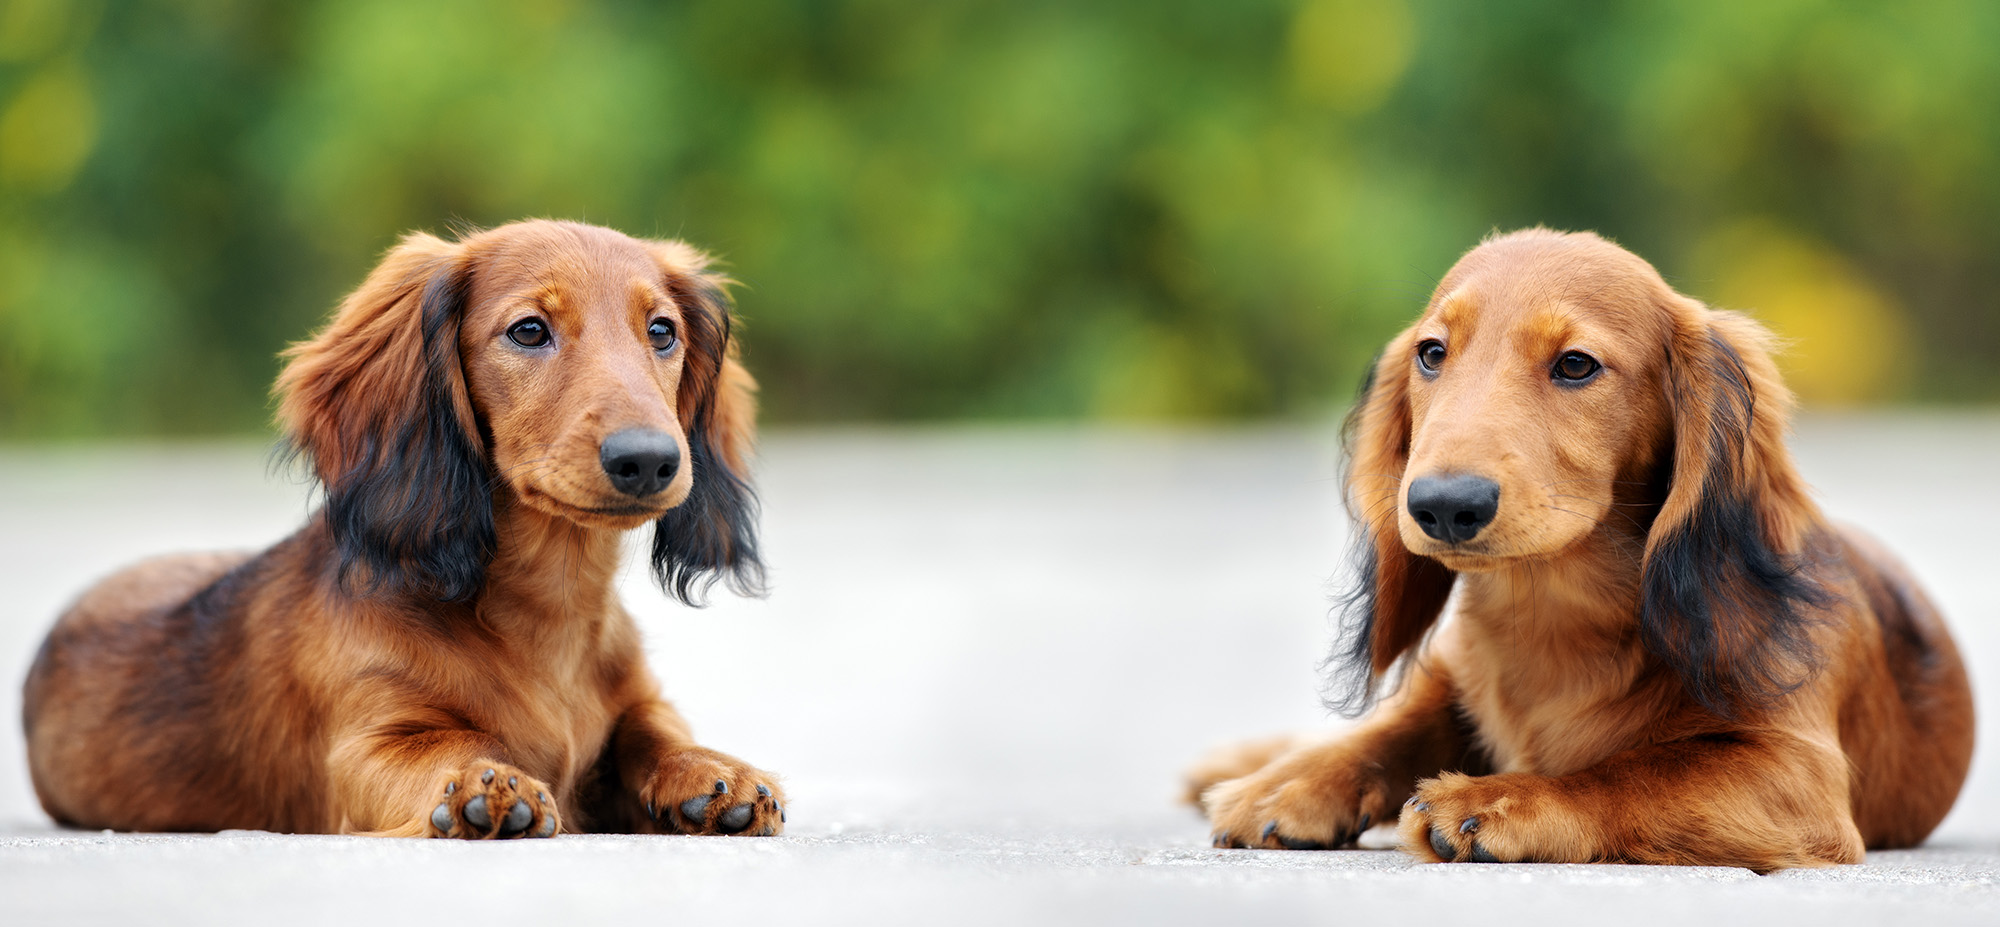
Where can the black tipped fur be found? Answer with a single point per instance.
(712, 535)
(1728, 613)
(1349, 687)
(414, 516)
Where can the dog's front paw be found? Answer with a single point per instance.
(1512, 818)
(1232, 761)
(695, 790)
(488, 801)
(1314, 798)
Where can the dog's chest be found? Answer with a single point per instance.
(1549, 712)
(553, 713)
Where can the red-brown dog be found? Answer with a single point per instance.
(1660, 652)
(440, 649)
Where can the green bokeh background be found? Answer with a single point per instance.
(1133, 209)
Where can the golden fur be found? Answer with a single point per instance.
(440, 650)
(1659, 650)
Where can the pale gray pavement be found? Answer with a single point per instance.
(987, 656)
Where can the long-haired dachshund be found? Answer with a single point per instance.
(440, 650)
(1659, 650)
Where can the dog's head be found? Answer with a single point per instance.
(587, 375)
(1556, 393)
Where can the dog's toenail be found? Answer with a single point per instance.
(1407, 802)
(450, 787)
(1423, 806)
(1363, 826)
(476, 813)
(486, 779)
(735, 819)
(518, 818)
(1482, 855)
(441, 818)
(650, 812)
(1442, 847)
(695, 809)
(544, 796)
(763, 791)
(513, 782)
(1468, 825)
(781, 815)
(721, 787)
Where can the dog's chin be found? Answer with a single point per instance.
(1477, 557)
(1459, 560)
(616, 513)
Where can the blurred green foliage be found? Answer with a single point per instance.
(962, 208)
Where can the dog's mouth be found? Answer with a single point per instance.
(623, 514)
(1460, 560)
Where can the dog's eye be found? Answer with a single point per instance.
(661, 332)
(529, 333)
(1576, 366)
(1430, 354)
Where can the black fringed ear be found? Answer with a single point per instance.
(1394, 596)
(1729, 589)
(378, 401)
(713, 534)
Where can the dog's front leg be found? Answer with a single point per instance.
(418, 777)
(1324, 794)
(684, 788)
(1760, 800)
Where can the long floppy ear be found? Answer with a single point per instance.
(1395, 596)
(377, 401)
(1730, 586)
(712, 535)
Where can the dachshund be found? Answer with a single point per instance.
(440, 651)
(1659, 651)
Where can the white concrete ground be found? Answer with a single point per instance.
(986, 658)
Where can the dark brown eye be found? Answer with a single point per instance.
(661, 332)
(1430, 354)
(529, 333)
(1575, 367)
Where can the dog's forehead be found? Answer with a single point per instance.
(585, 264)
(1545, 278)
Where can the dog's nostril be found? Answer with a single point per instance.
(1426, 518)
(1467, 519)
(629, 470)
(666, 471)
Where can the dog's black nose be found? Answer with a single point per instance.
(640, 461)
(1453, 508)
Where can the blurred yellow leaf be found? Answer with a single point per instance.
(1348, 54)
(1847, 337)
(47, 130)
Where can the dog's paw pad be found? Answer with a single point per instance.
(693, 792)
(735, 819)
(474, 811)
(695, 809)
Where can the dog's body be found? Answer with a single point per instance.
(1659, 651)
(440, 650)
